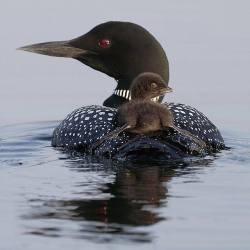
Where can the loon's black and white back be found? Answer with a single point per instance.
(88, 124)
(123, 50)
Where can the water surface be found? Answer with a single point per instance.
(67, 200)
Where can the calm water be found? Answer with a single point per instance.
(68, 201)
(59, 200)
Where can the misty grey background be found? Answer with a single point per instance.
(207, 43)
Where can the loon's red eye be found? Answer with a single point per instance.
(104, 43)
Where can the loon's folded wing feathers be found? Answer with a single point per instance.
(195, 122)
(88, 124)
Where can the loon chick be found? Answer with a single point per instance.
(143, 116)
(121, 50)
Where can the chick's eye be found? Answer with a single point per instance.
(153, 85)
(104, 43)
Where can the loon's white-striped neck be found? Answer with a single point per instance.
(125, 93)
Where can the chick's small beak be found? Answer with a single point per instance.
(166, 90)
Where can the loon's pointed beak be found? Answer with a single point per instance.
(58, 49)
(80, 48)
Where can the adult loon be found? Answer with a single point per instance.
(123, 50)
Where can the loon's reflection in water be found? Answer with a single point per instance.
(122, 209)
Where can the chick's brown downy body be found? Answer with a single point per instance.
(144, 117)
(141, 114)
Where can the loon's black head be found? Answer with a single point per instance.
(121, 50)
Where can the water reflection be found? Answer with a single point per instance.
(76, 196)
(124, 207)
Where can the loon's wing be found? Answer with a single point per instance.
(84, 126)
(193, 121)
